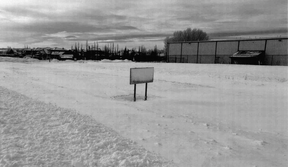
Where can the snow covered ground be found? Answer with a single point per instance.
(38, 134)
(195, 115)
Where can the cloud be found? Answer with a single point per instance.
(66, 21)
(71, 37)
(249, 33)
(124, 37)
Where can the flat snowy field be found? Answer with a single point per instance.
(66, 113)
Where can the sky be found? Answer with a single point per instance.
(132, 23)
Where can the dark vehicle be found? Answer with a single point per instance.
(41, 54)
(248, 57)
(78, 55)
(94, 55)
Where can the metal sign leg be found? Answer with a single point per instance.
(146, 85)
(134, 92)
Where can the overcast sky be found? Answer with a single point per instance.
(135, 22)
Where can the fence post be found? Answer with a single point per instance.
(181, 53)
(265, 50)
(238, 45)
(215, 53)
(197, 52)
(167, 52)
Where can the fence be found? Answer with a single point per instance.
(276, 52)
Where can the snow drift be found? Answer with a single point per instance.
(37, 134)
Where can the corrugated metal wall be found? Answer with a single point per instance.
(276, 52)
(207, 52)
(225, 50)
(189, 51)
(220, 51)
(252, 45)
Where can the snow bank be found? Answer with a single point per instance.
(16, 59)
(54, 60)
(38, 134)
(115, 61)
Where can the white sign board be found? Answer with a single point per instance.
(141, 75)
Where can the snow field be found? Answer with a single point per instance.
(195, 115)
(37, 134)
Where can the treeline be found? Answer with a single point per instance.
(112, 52)
(89, 52)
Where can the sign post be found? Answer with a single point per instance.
(146, 84)
(134, 92)
(141, 75)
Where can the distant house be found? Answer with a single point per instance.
(7, 52)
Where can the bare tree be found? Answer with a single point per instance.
(190, 35)
(186, 35)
